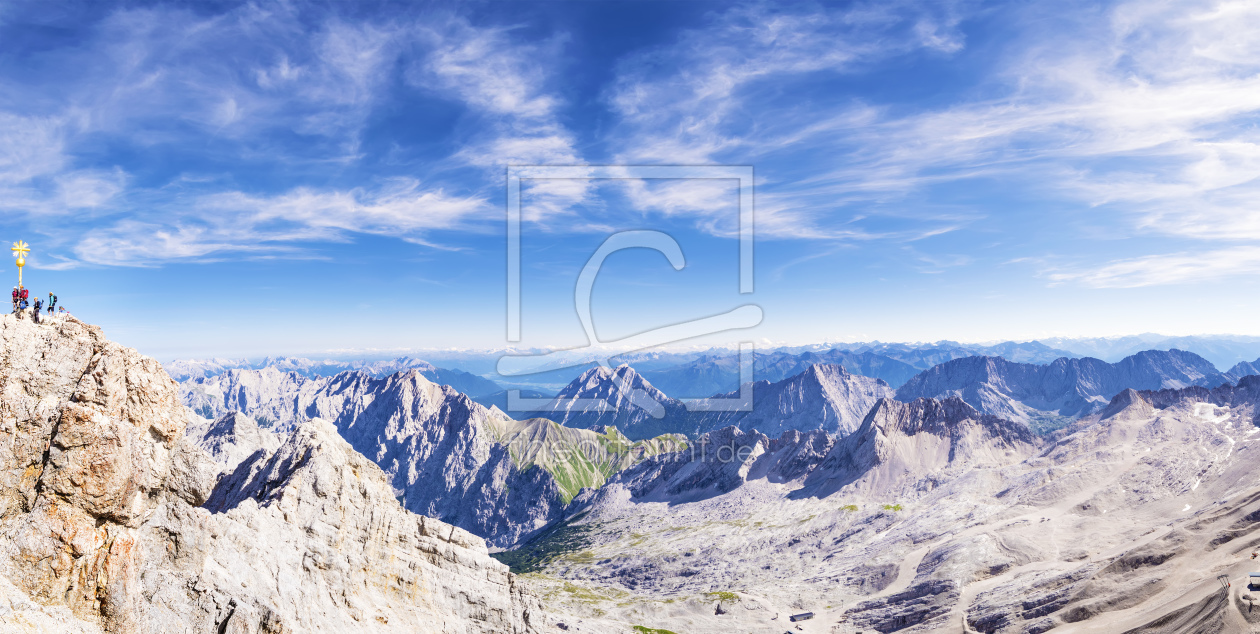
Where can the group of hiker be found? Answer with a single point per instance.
(22, 301)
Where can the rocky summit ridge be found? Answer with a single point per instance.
(103, 525)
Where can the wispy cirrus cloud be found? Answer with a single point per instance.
(726, 93)
(237, 222)
(1148, 117)
(1187, 267)
(288, 93)
(1143, 111)
(511, 85)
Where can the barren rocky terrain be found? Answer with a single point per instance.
(1124, 522)
(125, 512)
(112, 520)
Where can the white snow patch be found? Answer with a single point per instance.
(1186, 509)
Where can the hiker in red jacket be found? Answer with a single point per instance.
(17, 297)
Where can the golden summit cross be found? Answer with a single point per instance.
(20, 249)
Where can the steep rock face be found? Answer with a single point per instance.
(98, 516)
(1065, 387)
(823, 397)
(266, 395)
(432, 441)
(95, 438)
(333, 520)
(449, 457)
(900, 443)
(898, 447)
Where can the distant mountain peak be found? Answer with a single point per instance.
(601, 382)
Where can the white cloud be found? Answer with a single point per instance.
(1175, 268)
(1154, 118)
(1148, 116)
(235, 222)
(88, 189)
(284, 86)
(507, 83)
(716, 95)
(30, 146)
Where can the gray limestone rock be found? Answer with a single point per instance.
(98, 526)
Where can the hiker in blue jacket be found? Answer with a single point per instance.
(52, 303)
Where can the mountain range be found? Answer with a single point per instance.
(717, 374)
(1222, 350)
(1010, 496)
(930, 510)
(931, 517)
(466, 382)
(1052, 394)
(447, 456)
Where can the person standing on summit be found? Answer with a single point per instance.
(39, 307)
(17, 299)
(52, 303)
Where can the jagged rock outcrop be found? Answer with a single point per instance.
(1032, 393)
(99, 516)
(330, 513)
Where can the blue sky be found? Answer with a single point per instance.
(284, 177)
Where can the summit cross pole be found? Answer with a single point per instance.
(20, 249)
